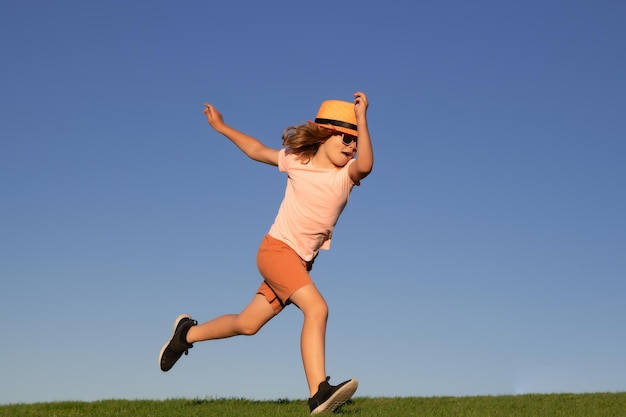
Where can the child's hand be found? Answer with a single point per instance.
(213, 116)
(360, 105)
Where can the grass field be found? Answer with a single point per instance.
(530, 405)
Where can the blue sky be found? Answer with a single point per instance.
(484, 255)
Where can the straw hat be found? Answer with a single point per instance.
(337, 115)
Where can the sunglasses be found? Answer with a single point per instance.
(347, 139)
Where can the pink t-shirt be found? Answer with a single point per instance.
(314, 199)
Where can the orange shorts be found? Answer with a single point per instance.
(284, 272)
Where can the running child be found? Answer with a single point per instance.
(322, 166)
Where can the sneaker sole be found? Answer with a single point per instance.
(178, 319)
(339, 398)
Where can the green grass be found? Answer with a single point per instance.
(531, 405)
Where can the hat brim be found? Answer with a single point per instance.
(334, 128)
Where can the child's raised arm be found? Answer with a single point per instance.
(365, 155)
(252, 147)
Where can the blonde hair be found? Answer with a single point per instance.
(304, 140)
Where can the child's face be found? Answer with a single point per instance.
(338, 150)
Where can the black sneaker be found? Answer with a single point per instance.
(330, 397)
(177, 345)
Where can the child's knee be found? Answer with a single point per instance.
(247, 328)
(317, 311)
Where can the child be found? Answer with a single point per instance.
(319, 159)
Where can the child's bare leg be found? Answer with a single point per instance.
(313, 338)
(248, 322)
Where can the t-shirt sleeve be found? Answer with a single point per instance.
(352, 161)
(282, 160)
